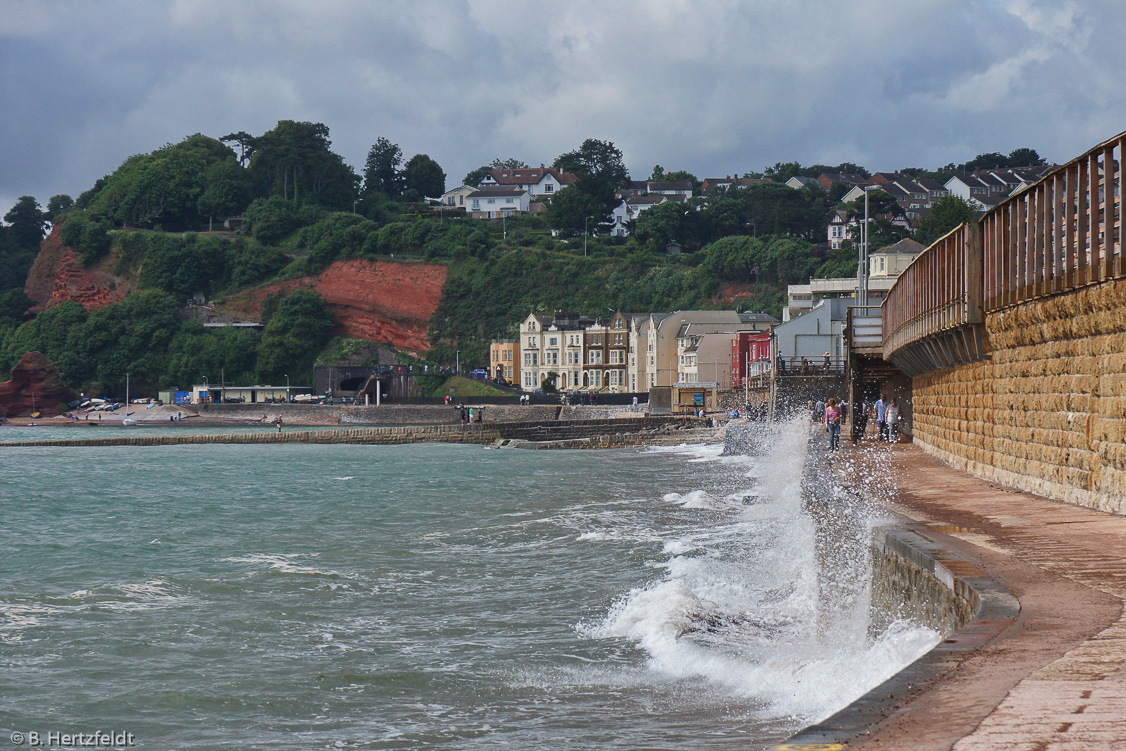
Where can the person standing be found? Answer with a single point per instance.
(833, 424)
(893, 417)
(881, 417)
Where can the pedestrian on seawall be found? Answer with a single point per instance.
(833, 423)
(882, 417)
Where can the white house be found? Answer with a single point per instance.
(537, 181)
(633, 205)
(495, 201)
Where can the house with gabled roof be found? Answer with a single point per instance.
(797, 182)
(537, 181)
(633, 205)
(829, 179)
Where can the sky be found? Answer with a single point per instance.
(715, 87)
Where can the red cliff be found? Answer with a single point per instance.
(58, 274)
(380, 301)
(35, 386)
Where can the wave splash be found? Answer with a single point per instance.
(749, 605)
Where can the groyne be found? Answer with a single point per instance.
(604, 433)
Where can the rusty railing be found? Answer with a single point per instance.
(1061, 233)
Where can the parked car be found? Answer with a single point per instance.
(479, 373)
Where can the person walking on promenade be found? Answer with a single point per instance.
(893, 421)
(860, 422)
(881, 417)
(833, 424)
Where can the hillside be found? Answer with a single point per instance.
(57, 275)
(380, 301)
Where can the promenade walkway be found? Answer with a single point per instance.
(1053, 680)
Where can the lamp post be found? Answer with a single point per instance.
(585, 233)
(862, 270)
(287, 388)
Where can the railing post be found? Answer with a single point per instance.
(973, 261)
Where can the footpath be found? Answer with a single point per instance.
(1051, 679)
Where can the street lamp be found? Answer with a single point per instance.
(862, 270)
(287, 388)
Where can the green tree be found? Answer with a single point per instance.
(1025, 157)
(295, 333)
(665, 223)
(59, 205)
(600, 160)
(245, 143)
(162, 188)
(27, 223)
(423, 175)
(227, 192)
(382, 173)
(196, 353)
(474, 177)
(581, 207)
(294, 161)
(946, 214)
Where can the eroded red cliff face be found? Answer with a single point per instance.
(57, 275)
(35, 386)
(380, 301)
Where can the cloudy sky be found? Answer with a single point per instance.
(715, 87)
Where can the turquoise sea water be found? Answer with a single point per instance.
(422, 596)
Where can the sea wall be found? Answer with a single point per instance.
(583, 434)
(1047, 413)
(910, 581)
(912, 576)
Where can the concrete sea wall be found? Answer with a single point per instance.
(916, 578)
(563, 434)
(1047, 413)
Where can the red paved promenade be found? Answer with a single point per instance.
(1054, 679)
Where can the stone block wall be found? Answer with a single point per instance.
(1047, 414)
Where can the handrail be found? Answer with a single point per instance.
(939, 291)
(1059, 234)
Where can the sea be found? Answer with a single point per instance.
(431, 596)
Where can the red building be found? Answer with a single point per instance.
(750, 356)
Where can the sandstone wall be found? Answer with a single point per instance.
(1048, 413)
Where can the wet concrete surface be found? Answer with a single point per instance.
(1049, 677)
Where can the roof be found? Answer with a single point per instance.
(497, 191)
(529, 175)
(906, 245)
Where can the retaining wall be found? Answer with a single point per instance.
(1047, 414)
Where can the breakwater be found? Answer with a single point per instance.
(578, 433)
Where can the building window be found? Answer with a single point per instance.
(548, 188)
(476, 204)
(491, 200)
(595, 357)
(554, 341)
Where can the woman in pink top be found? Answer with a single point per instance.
(833, 424)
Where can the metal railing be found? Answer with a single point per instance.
(1059, 234)
(940, 292)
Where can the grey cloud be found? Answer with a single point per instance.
(713, 87)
